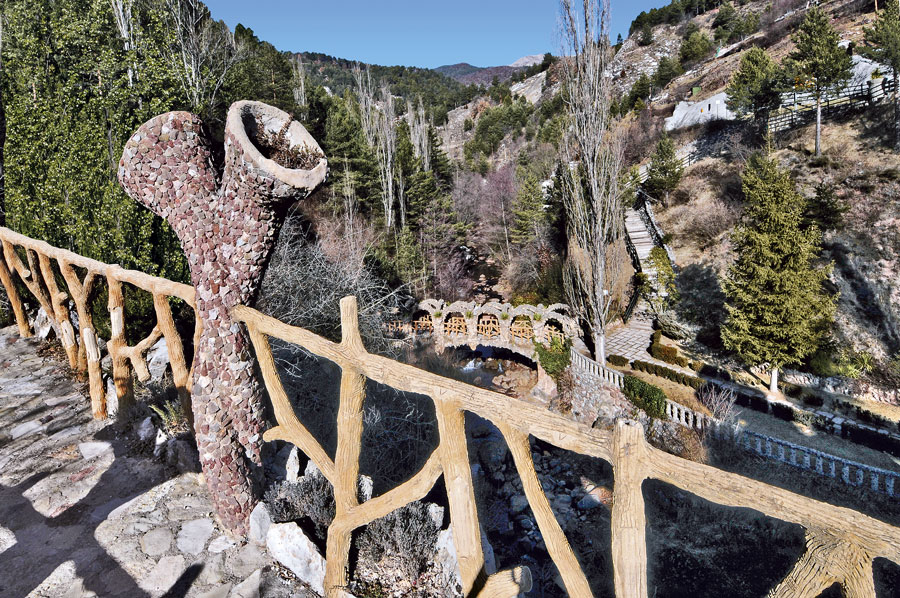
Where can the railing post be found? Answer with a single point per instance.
(346, 460)
(60, 312)
(14, 300)
(122, 375)
(629, 544)
(460, 493)
(180, 372)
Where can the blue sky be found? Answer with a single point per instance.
(413, 32)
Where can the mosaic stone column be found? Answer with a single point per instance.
(227, 229)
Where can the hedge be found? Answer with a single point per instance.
(664, 352)
(668, 373)
(648, 397)
(618, 360)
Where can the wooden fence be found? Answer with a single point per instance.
(800, 108)
(50, 275)
(841, 543)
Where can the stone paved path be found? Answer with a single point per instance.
(86, 511)
(641, 239)
(632, 340)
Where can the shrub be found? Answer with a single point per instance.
(555, 358)
(311, 498)
(666, 353)
(697, 366)
(669, 374)
(811, 399)
(781, 411)
(618, 360)
(648, 397)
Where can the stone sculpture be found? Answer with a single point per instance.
(227, 229)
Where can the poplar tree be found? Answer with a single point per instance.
(777, 309)
(884, 40)
(821, 62)
(665, 169)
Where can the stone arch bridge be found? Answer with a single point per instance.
(492, 324)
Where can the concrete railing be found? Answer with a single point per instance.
(586, 364)
(796, 455)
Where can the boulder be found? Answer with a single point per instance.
(182, 455)
(260, 521)
(41, 324)
(288, 545)
(146, 430)
(158, 360)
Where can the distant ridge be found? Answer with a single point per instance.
(475, 75)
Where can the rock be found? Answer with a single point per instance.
(243, 562)
(445, 559)
(490, 562)
(249, 588)
(518, 503)
(278, 463)
(41, 324)
(182, 455)
(89, 450)
(259, 523)
(112, 398)
(156, 542)
(164, 574)
(311, 469)
(162, 439)
(596, 497)
(158, 360)
(220, 544)
(436, 512)
(288, 545)
(193, 536)
(292, 466)
(145, 430)
(492, 453)
(25, 429)
(219, 592)
(366, 485)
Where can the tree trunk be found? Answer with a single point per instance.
(896, 109)
(818, 126)
(600, 347)
(773, 384)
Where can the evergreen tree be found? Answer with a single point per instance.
(646, 35)
(665, 169)
(884, 40)
(528, 209)
(695, 47)
(777, 309)
(825, 209)
(822, 64)
(754, 86)
(667, 69)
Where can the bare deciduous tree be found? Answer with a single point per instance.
(298, 69)
(593, 151)
(122, 15)
(386, 146)
(365, 95)
(204, 53)
(419, 133)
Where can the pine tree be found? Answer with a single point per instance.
(528, 210)
(665, 169)
(754, 86)
(777, 309)
(884, 40)
(821, 62)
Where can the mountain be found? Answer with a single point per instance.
(527, 61)
(467, 74)
(439, 92)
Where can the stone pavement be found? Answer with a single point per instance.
(633, 339)
(85, 510)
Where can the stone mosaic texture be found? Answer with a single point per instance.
(227, 228)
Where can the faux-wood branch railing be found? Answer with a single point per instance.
(841, 546)
(38, 276)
